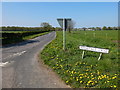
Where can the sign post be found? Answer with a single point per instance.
(64, 35)
(64, 23)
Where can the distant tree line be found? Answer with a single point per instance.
(13, 28)
(44, 27)
(99, 28)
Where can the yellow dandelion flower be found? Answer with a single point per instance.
(114, 77)
(90, 81)
(67, 81)
(80, 77)
(72, 72)
(93, 83)
(80, 81)
(91, 75)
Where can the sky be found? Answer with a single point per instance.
(60, 0)
(84, 14)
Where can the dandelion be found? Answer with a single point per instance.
(72, 72)
(67, 81)
(80, 77)
(114, 77)
(77, 79)
(90, 81)
(67, 71)
(93, 83)
(85, 76)
(91, 75)
(80, 81)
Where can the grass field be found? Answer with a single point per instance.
(87, 72)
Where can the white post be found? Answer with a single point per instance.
(83, 54)
(100, 56)
(94, 34)
(63, 34)
(106, 35)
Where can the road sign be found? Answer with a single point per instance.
(64, 23)
(94, 50)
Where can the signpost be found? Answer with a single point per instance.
(64, 23)
(94, 50)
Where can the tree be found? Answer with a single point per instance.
(115, 28)
(104, 28)
(98, 28)
(109, 28)
(93, 28)
(45, 24)
(71, 26)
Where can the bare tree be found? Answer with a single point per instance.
(71, 25)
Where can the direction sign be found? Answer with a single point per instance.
(66, 23)
(94, 49)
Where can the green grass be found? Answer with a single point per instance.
(13, 31)
(87, 72)
(16, 38)
(33, 36)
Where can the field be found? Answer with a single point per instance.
(87, 72)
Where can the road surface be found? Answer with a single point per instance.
(21, 69)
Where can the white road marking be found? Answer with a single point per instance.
(3, 64)
(16, 54)
(6, 63)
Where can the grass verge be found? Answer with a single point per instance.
(87, 72)
(17, 37)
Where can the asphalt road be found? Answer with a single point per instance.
(21, 69)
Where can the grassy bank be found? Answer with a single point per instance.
(87, 72)
(10, 37)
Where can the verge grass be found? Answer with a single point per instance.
(87, 72)
(11, 37)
